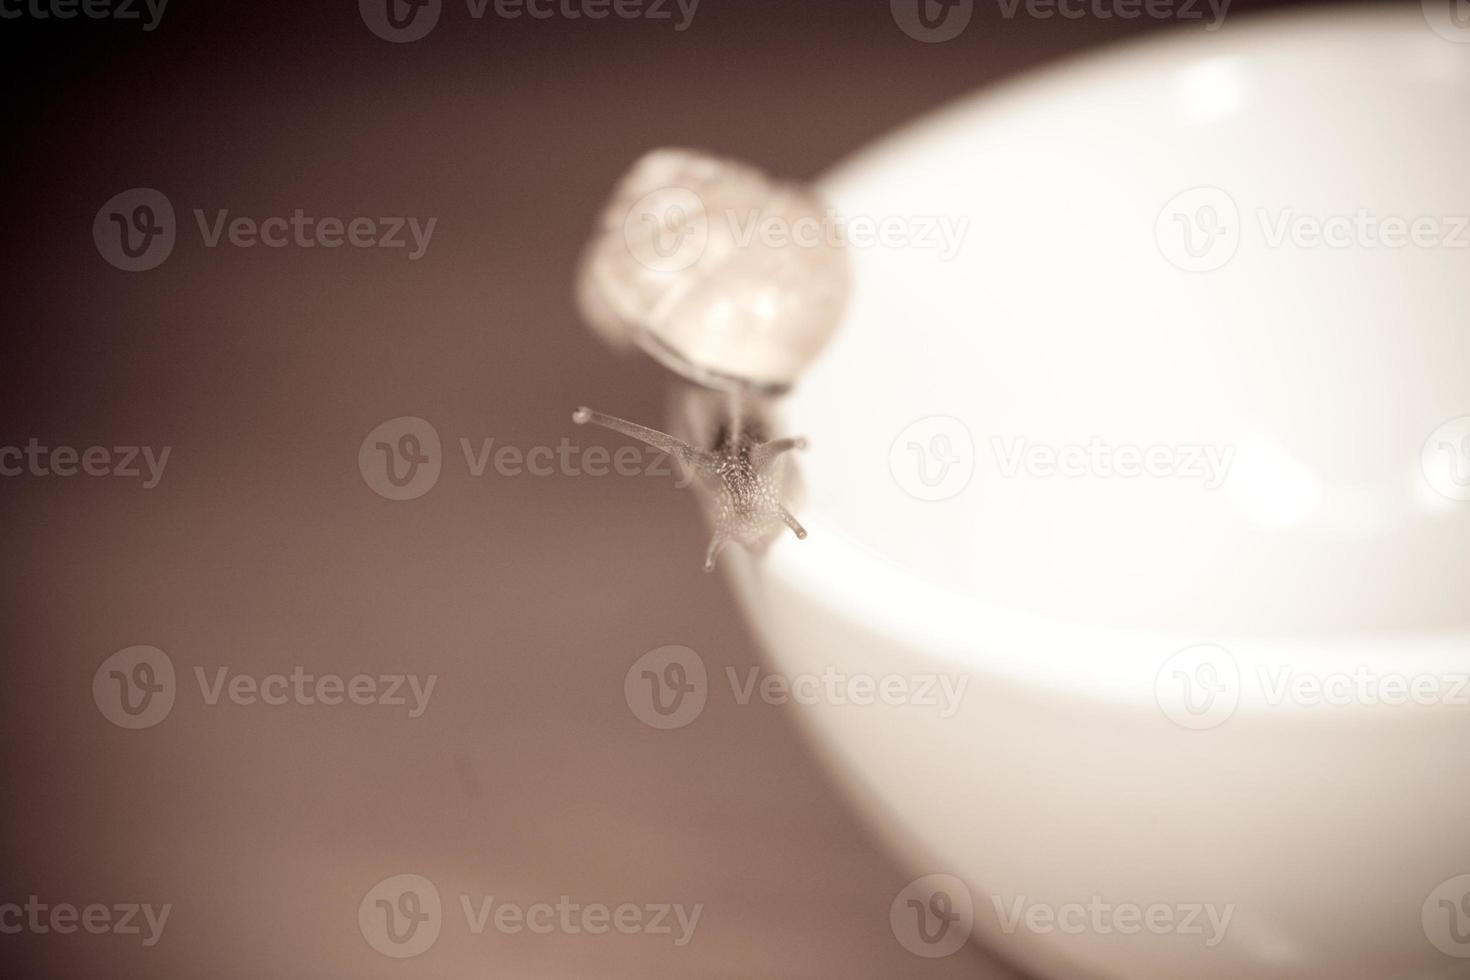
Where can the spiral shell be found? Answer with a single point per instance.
(724, 275)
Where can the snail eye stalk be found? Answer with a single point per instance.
(744, 487)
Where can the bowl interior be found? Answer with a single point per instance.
(1060, 280)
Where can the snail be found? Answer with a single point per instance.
(735, 282)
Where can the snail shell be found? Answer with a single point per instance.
(724, 275)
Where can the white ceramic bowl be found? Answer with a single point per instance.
(1081, 765)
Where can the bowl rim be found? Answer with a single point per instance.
(1112, 661)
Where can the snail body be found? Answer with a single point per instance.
(741, 477)
(681, 267)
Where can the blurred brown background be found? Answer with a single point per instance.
(262, 549)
